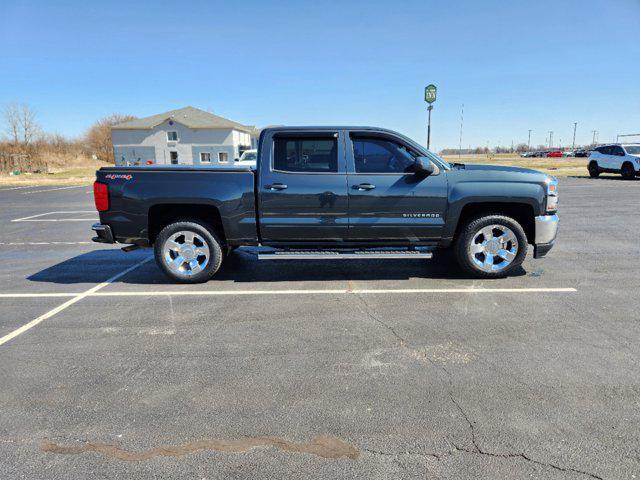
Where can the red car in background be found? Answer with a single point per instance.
(554, 154)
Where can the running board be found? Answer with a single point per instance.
(344, 254)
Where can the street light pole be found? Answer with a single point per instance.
(550, 138)
(573, 147)
(529, 141)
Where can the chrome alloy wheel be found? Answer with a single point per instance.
(493, 248)
(186, 253)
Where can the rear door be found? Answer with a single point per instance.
(617, 157)
(387, 201)
(302, 187)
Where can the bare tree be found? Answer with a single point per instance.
(98, 137)
(12, 122)
(21, 123)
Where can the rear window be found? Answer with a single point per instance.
(305, 154)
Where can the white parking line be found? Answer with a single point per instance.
(52, 189)
(68, 303)
(336, 291)
(46, 243)
(37, 218)
(18, 188)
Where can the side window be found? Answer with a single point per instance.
(305, 154)
(377, 155)
(618, 151)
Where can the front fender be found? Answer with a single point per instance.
(462, 194)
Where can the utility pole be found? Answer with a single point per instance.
(529, 141)
(595, 132)
(573, 146)
(461, 123)
(550, 138)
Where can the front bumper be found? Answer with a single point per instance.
(546, 231)
(104, 233)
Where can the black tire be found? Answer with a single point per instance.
(203, 232)
(628, 172)
(594, 170)
(469, 231)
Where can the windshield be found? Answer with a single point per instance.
(249, 156)
(632, 149)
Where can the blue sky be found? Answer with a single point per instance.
(516, 65)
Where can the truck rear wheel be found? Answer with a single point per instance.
(188, 251)
(491, 246)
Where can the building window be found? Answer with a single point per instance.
(223, 157)
(173, 156)
(172, 136)
(205, 157)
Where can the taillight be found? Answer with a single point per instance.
(101, 196)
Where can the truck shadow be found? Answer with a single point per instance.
(243, 267)
(610, 177)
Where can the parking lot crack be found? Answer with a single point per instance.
(437, 456)
(366, 309)
(527, 458)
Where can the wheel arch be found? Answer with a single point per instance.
(523, 213)
(163, 214)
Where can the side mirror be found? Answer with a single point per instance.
(424, 167)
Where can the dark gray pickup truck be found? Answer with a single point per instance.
(330, 193)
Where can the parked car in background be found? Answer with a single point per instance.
(615, 158)
(569, 154)
(582, 153)
(540, 154)
(554, 154)
(528, 154)
(248, 158)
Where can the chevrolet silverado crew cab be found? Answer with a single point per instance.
(623, 159)
(329, 193)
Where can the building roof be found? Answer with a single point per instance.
(190, 117)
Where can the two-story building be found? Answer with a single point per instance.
(184, 136)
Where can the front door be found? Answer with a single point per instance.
(387, 201)
(302, 188)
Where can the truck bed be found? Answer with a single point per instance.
(137, 194)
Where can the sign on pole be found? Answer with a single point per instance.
(430, 92)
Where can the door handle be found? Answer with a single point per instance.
(364, 186)
(276, 186)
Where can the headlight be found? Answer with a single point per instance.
(552, 195)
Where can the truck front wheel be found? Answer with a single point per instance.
(188, 251)
(491, 246)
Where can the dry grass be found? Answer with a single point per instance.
(79, 170)
(62, 170)
(559, 167)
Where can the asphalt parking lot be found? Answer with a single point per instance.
(284, 369)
